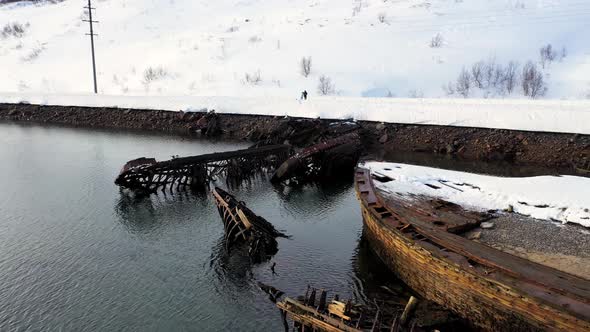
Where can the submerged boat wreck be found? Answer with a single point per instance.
(148, 175)
(420, 240)
(242, 226)
(327, 159)
(313, 313)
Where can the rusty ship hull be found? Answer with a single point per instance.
(492, 290)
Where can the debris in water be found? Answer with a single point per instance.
(147, 175)
(327, 159)
(243, 226)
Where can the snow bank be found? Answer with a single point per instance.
(541, 115)
(562, 198)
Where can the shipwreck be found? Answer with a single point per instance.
(327, 159)
(420, 240)
(146, 175)
(314, 311)
(244, 227)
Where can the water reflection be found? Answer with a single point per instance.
(315, 199)
(145, 214)
(230, 268)
(372, 281)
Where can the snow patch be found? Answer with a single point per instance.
(558, 198)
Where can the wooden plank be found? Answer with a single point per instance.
(334, 322)
(244, 219)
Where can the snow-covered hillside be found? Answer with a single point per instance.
(366, 47)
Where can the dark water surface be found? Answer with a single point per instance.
(76, 254)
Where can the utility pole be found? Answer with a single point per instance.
(92, 34)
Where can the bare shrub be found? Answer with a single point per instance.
(533, 84)
(325, 86)
(255, 39)
(449, 88)
(436, 41)
(382, 17)
(463, 86)
(511, 76)
(233, 29)
(14, 29)
(416, 93)
(547, 54)
(34, 54)
(253, 78)
(153, 74)
(305, 66)
(477, 70)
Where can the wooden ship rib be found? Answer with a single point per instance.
(328, 158)
(147, 175)
(242, 226)
(493, 290)
(313, 313)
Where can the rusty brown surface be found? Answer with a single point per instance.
(323, 160)
(494, 290)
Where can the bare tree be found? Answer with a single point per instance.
(436, 41)
(511, 76)
(477, 74)
(498, 77)
(547, 55)
(325, 86)
(533, 84)
(463, 86)
(305, 66)
(488, 72)
(563, 54)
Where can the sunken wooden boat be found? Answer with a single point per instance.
(327, 159)
(146, 175)
(242, 226)
(309, 313)
(493, 290)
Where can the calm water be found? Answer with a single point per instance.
(76, 254)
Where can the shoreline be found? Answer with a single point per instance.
(522, 148)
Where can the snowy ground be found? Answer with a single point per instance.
(368, 48)
(560, 198)
(538, 115)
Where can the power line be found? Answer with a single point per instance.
(92, 34)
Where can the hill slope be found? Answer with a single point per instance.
(366, 47)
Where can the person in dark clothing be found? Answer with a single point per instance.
(304, 95)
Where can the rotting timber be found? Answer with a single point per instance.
(313, 313)
(327, 159)
(147, 175)
(242, 226)
(492, 289)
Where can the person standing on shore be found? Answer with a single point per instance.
(304, 95)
